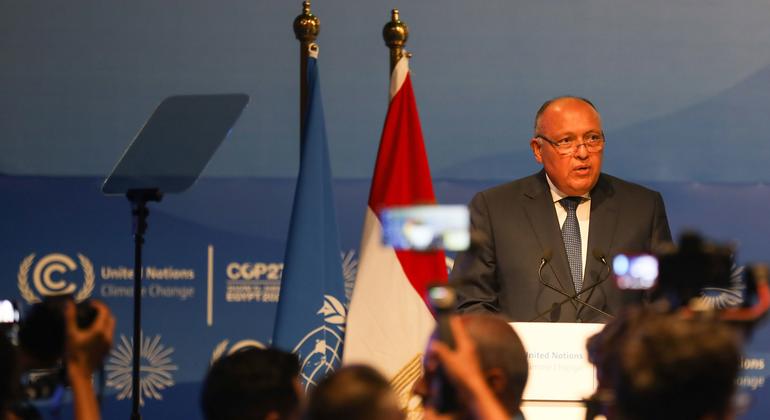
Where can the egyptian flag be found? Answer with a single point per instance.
(389, 321)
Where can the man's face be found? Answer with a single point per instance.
(574, 174)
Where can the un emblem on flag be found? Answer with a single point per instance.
(320, 350)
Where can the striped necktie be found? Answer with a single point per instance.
(570, 232)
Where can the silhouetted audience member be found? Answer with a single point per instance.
(604, 348)
(80, 350)
(657, 366)
(252, 384)
(488, 368)
(9, 377)
(355, 392)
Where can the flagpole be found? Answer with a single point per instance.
(395, 33)
(306, 28)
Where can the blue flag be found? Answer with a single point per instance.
(311, 315)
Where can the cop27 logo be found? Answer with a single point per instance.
(55, 274)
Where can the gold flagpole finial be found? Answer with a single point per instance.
(306, 28)
(395, 33)
(306, 25)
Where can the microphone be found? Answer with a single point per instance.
(599, 255)
(555, 307)
(543, 261)
(556, 313)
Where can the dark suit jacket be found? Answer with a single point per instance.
(514, 225)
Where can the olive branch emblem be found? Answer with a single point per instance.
(88, 271)
(22, 279)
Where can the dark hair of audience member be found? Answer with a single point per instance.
(671, 368)
(252, 384)
(9, 376)
(499, 347)
(604, 347)
(354, 392)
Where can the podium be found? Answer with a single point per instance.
(560, 376)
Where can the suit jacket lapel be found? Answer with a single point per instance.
(604, 218)
(542, 215)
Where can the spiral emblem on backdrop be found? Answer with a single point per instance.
(55, 274)
(156, 368)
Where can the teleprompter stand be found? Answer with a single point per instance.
(167, 156)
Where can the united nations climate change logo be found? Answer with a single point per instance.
(223, 348)
(155, 368)
(319, 351)
(53, 275)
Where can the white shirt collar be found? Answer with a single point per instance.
(557, 194)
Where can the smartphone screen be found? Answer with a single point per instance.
(635, 271)
(426, 228)
(9, 314)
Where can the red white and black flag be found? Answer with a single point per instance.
(389, 321)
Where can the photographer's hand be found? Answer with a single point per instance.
(84, 351)
(464, 370)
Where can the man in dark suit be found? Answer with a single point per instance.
(563, 222)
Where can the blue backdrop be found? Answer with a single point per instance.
(235, 228)
(683, 85)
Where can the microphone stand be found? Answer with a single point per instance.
(574, 298)
(599, 256)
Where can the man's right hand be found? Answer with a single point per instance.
(86, 348)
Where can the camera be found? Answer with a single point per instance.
(695, 275)
(691, 267)
(41, 340)
(42, 331)
(679, 273)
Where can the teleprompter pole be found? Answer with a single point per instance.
(139, 213)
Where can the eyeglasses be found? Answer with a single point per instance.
(568, 146)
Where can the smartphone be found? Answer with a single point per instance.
(426, 228)
(442, 299)
(635, 271)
